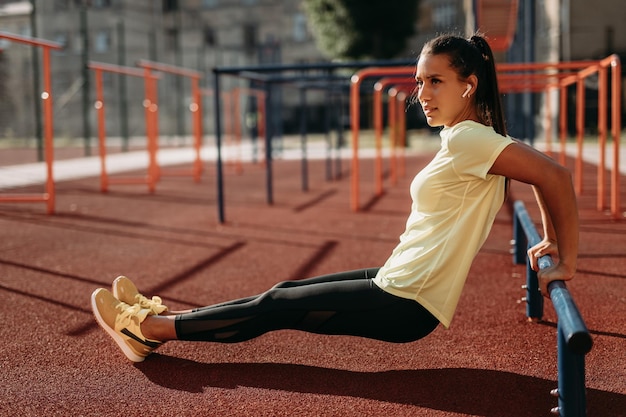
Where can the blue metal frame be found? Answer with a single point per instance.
(269, 75)
(573, 338)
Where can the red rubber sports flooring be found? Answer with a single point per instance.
(55, 360)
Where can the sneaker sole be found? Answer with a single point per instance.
(114, 335)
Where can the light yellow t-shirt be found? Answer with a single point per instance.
(455, 202)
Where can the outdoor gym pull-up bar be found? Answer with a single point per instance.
(398, 96)
(46, 96)
(378, 125)
(600, 68)
(355, 100)
(195, 107)
(258, 73)
(545, 77)
(150, 105)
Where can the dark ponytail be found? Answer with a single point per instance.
(490, 98)
(474, 56)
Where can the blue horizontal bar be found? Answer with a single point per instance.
(572, 325)
(575, 331)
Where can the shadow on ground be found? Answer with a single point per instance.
(452, 390)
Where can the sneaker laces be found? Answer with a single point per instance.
(155, 304)
(125, 317)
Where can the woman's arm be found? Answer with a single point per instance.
(546, 220)
(548, 245)
(557, 201)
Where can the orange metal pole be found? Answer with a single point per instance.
(580, 133)
(228, 124)
(539, 66)
(378, 122)
(237, 129)
(234, 125)
(261, 120)
(195, 108)
(548, 103)
(378, 133)
(49, 130)
(355, 122)
(355, 87)
(616, 124)
(564, 83)
(150, 108)
(154, 109)
(583, 70)
(400, 143)
(99, 68)
(104, 179)
(196, 114)
(393, 133)
(563, 123)
(49, 197)
(580, 123)
(602, 128)
(400, 138)
(171, 69)
(397, 97)
(519, 83)
(614, 62)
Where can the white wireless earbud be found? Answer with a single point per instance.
(467, 90)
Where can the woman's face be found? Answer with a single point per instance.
(440, 92)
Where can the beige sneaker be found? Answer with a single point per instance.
(125, 291)
(122, 322)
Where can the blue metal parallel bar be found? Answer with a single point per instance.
(573, 338)
(269, 127)
(524, 241)
(218, 142)
(534, 298)
(571, 379)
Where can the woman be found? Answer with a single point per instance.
(455, 200)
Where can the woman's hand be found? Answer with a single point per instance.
(543, 248)
(557, 272)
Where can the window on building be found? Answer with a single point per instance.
(210, 37)
(102, 41)
(101, 3)
(250, 37)
(171, 39)
(444, 15)
(25, 30)
(61, 5)
(191, 21)
(299, 28)
(77, 43)
(170, 5)
(209, 4)
(61, 37)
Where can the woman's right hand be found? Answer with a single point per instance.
(543, 248)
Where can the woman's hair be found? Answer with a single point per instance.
(474, 56)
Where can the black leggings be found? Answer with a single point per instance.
(346, 303)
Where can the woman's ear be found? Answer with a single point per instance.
(472, 85)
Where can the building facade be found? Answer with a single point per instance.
(203, 34)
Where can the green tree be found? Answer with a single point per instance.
(362, 29)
